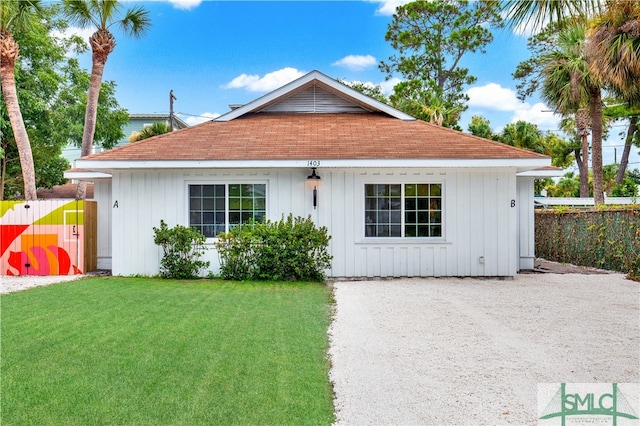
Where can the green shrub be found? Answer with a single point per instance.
(606, 238)
(182, 247)
(290, 249)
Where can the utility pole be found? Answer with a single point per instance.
(171, 99)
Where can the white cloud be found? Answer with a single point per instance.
(388, 7)
(356, 62)
(185, 4)
(83, 33)
(192, 120)
(388, 85)
(539, 114)
(270, 81)
(494, 97)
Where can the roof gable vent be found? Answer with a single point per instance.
(314, 99)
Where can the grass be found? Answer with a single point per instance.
(156, 352)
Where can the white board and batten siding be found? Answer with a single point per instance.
(480, 218)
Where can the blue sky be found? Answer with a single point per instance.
(213, 54)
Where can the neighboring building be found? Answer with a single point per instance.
(136, 123)
(399, 196)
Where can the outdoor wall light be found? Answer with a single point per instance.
(313, 177)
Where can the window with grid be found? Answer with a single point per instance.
(403, 210)
(217, 208)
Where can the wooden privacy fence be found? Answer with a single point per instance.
(48, 237)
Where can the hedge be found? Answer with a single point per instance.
(604, 238)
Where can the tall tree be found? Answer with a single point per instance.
(17, 16)
(614, 48)
(102, 15)
(481, 126)
(53, 103)
(431, 38)
(560, 70)
(537, 14)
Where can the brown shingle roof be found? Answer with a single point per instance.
(266, 136)
(68, 190)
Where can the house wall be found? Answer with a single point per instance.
(480, 218)
(102, 193)
(526, 222)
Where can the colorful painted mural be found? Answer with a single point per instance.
(43, 237)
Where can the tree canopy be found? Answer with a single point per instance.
(431, 38)
(52, 91)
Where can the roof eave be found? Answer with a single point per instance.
(522, 165)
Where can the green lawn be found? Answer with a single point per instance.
(156, 352)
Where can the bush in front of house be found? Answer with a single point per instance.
(291, 249)
(182, 247)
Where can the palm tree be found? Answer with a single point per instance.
(155, 129)
(615, 48)
(102, 15)
(539, 13)
(567, 12)
(567, 84)
(615, 51)
(17, 16)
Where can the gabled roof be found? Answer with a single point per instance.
(313, 118)
(315, 79)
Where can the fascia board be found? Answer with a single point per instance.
(520, 164)
(541, 173)
(83, 175)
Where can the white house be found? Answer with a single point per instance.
(400, 197)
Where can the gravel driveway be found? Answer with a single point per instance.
(471, 351)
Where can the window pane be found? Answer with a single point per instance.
(208, 204)
(247, 204)
(234, 203)
(195, 218)
(234, 190)
(234, 217)
(423, 210)
(208, 190)
(383, 210)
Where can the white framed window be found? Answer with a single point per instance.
(403, 210)
(216, 208)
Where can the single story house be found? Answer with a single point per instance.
(399, 196)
